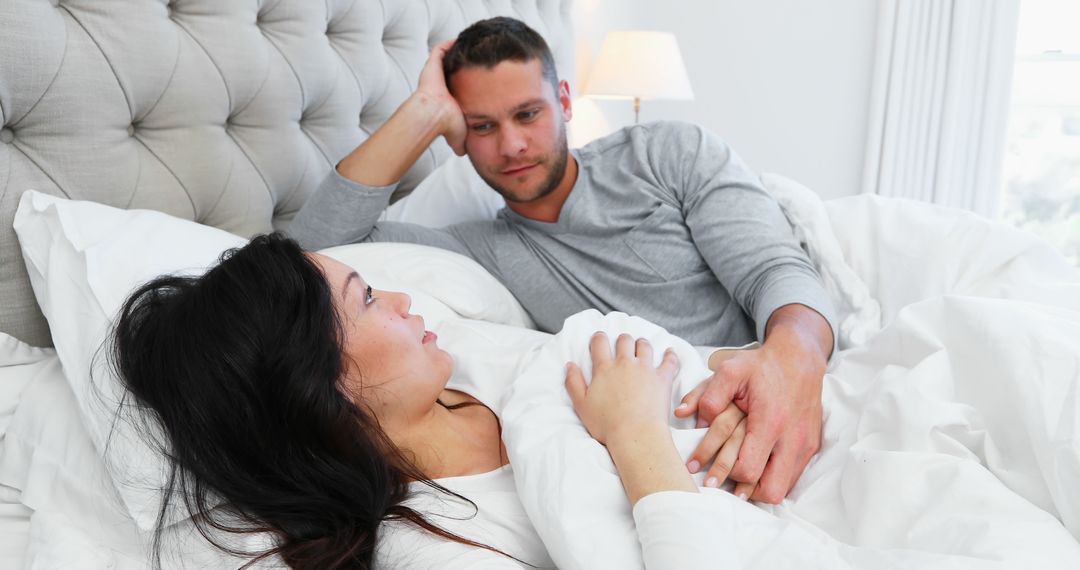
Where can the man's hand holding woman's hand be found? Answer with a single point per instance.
(779, 388)
(720, 445)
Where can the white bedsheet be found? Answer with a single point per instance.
(951, 439)
(15, 356)
(950, 436)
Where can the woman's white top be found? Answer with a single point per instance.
(677, 529)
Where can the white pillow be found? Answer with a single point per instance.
(451, 194)
(79, 519)
(85, 258)
(48, 456)
(442, 283)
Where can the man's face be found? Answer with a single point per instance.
(516, 127)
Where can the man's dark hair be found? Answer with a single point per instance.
(490, 42)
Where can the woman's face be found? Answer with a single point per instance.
(394, 365)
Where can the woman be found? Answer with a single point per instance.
(317, 408)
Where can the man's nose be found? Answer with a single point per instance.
(512, 142)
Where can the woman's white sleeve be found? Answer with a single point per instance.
(679, 529)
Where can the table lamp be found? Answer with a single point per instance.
(639, 65)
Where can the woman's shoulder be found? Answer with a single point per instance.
(492, 515)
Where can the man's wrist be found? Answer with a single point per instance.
(436, 109)
(801, 330)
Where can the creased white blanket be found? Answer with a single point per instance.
(951, 437)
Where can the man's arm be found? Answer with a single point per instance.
(747, 242)
(798, 344)
(428, 113)
(347, 205)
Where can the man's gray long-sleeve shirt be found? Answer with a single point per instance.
(664, 222)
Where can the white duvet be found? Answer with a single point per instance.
(952, 411)
(951, 436)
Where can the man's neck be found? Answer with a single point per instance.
(548, 208)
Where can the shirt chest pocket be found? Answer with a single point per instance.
(663, 243)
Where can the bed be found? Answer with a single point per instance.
(156, 134)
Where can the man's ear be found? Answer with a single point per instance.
(564, 100)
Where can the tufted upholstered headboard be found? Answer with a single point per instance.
(226, 112)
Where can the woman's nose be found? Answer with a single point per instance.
(400, 302)
(404, 301)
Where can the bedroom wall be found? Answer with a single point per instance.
(785, 82)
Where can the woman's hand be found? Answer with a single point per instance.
(721, 443)
(627, 392)
(626, 408)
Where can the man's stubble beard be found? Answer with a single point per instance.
(554, 176)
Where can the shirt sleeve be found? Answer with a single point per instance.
(740, 230)
(678, 529)
(342, 211)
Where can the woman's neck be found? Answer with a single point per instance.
(453, 441)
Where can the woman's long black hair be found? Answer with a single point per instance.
(242, 368)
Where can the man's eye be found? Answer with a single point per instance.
(528, 115)
(481, 127)
(368, 297)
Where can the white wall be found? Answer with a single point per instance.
(785, 82)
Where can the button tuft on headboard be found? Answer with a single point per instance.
(217, 87)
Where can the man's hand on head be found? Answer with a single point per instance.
(778, 386)
(432, 86)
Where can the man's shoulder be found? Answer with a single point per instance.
(648, 130)
(664, 137)
(649, 138)
(671, 127)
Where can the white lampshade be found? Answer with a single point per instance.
(639, 65)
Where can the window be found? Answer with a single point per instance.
(1042, 160)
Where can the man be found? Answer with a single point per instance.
(658, 220)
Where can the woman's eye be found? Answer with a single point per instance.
(368, 297)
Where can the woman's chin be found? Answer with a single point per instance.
(452, 364)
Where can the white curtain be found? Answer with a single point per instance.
(940, 101)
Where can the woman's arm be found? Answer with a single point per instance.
(626, 407)
(648, 462)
